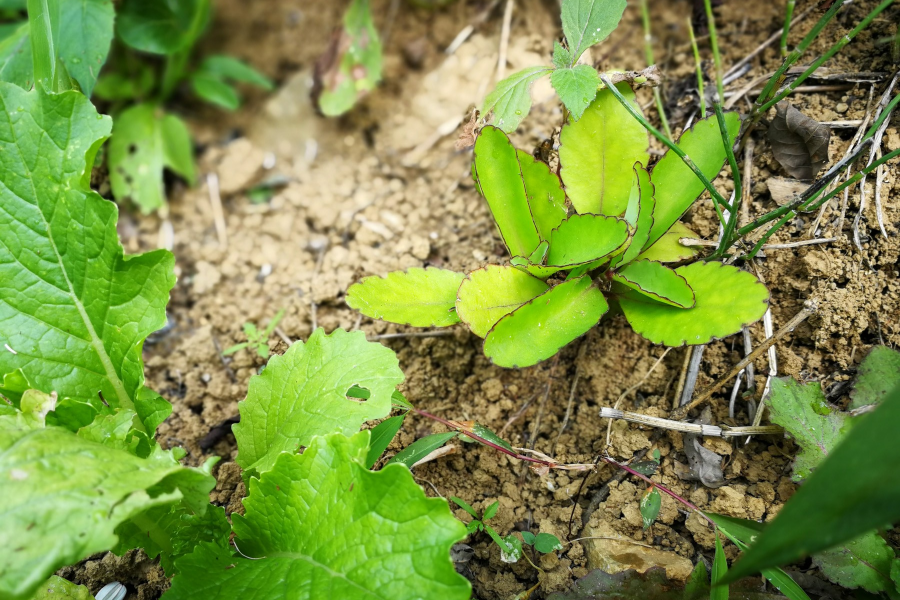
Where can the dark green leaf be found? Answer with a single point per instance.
(597, 153)
(576, 86)
(528, 537)
(650, 505)
(465, 506)
(546, 543)
(485, 433)
(382, 434)
(487, 295)
(491, 511)
(853, 491)
(719, 591)
(215, 91)
(418, 297)
(537, 330)
(878, 374)
(587, 22)
(511, 99)
(562, 58)
(228, 67)
(15, 58)
(421, 448)
(697, 585)
(84, 39)
(863, 562)
(161, 26)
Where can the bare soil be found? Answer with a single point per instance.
(383, 189)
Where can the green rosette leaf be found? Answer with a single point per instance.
(489, 294)
(419, 297)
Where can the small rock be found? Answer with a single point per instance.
(841, 108)
(614, 556)
(207, 277)
(239, 166)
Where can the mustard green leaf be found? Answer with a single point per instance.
(676, 185)
(546, 198)
(668, 249)
(321, 525)
(499, 177)
(657, 281)
(804, 414)
(878, 374)
(588, 22)
(304, 393)
(487, 295)
(419, 297)
(597, 152)
(726, 299)
(538, 329)
(576, 86)
(75, 310)
(585, 238)
(638, 214)
(146, 140)
(511, 99)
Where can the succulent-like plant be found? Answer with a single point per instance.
(566, 269)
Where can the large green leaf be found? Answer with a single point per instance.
(804, 414)
(511, 99)
(419, 297)
(75, 310)
(145, 141)
(487, 295)
(161, 26)
(537, 330)
(499, 178)
(726, 300)
(638, 214)
(853, 491)
(656, 281)
(321, 525)
(863, 562)
(304, 393)
(668, 249)
(676, 185)
(878, 374)
(584, 238)
(63, 496)
(546, 198)
(588, 22)
(576, 86)
(597, 152)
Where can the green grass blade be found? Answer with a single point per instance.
(719, 590)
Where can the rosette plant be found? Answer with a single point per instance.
(604, 231)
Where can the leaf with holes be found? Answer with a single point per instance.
(304, 393)
(582, 239)
(489, 294)
(511, 99)
(537, 330)
(75, 310)
(419, 297)
(726, 299)
(657, 281)
(499, 177)
(146, 140)
(322, 525)
(676, 185)
(597, 153)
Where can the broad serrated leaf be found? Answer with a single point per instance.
(638, 214)
(543, 189)
(382, 434)
(804, 414)
(676, 185)
(863, 562)
(487, 295)
(511, 99)
(582, 239)
(65, 495)
(719, 569)
(57, 588)
(726, 299)
(878, 374)
(668, 249)
(537, 330)
(145, 141)
(303, 394)
(421, 448)
(597, 153)
(321, 525)
(657, 281)
(161, 27)
(562, 58)
(576, 86)
(588, 22)
(650, 505)
(75, 310)
(351, 67)
(853, 491)
(499, 178)
(419, 297)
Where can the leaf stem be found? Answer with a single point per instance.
(788, 13)
(736, 177)
(699, 64)
(648, 51)
(714, 42)
(717, 197)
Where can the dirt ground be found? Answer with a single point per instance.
(383, 189)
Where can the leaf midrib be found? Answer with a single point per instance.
(331, 572)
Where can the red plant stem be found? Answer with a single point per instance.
(553, 465)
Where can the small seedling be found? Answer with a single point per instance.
(257, 339)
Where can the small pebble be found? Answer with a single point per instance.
(841, 107)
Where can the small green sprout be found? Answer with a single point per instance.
(510, 546)
(257, 339)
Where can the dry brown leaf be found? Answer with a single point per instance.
(783, 189)
(799, 143)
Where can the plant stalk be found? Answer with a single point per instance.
(699, 68)
(788, 13)
(714, 42)
(731, 222)
(648, 51)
